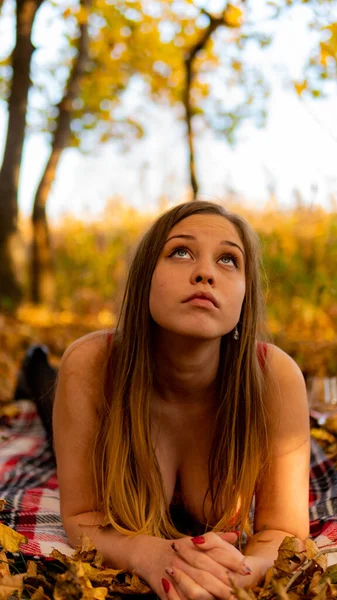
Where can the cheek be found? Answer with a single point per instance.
(157, 293)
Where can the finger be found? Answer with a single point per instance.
(186, 586)
(170, 591)
(196, 584)
(227, 555)
(228, 536)
(198, 560)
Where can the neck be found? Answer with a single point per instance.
(186, 368)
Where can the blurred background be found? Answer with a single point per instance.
(112, 111)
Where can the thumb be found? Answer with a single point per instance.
(228, 536)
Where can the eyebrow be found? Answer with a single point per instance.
(191, 237)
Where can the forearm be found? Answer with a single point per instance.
(119, 551)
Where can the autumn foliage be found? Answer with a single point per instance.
(300, 279)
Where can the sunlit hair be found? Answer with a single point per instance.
(127, 476)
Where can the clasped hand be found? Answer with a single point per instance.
(198, 568)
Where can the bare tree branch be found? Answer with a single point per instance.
(190, 57)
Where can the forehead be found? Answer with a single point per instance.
(204, 225)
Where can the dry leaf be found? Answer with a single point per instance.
(290, 554)
(95, 594)
(9, 585)
(239, 592)
(316, 584)
(86, 551)
(132, 585)
(10, 410)
(31, 568)
(4, 567)
(10, 540)
(311, 551)
(279, 590)
(320, 434)
(331, 424)
(38, 594)
(103, 576)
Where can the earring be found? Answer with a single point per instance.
(236, 334)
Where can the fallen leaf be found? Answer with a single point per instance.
(95, 594)
(4, 567)
(279, 590)
(290, 554)
(311, 551)
(38, 594)
(9, 410)
(331, 574)
(31, 568)
(9, 585)
(86, 551)
(10, 540)
(322, 435)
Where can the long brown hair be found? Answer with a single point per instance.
(127, 476)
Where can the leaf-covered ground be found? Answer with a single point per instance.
(297, 573)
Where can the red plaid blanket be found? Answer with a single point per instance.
(28, 483)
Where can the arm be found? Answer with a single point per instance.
(78, 394)
(282, 495)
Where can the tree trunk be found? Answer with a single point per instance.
(42, 263)
(9, 174)
(214, 23)
(188, 118)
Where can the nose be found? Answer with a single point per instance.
(203, 274)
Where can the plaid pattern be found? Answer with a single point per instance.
(29, 485)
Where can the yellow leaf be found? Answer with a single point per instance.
(279, 590)
(38, 594)
(95, 594)
(300, 86)
(4, 568)
(10, 411)
(86, 551)
(82, 16)
(233, 16)
(322, 435)
(9, 585)
(10, 540)
(311, 550)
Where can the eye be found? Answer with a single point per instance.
(179, 252)
(230, 259)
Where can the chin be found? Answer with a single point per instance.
(201, 331)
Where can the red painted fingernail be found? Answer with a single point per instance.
(245, 570)
(198, 539)
(170, 571)
(166, 585)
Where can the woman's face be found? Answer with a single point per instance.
(198, 285)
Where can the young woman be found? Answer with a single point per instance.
(171, 425)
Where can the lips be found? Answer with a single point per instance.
(203, 296)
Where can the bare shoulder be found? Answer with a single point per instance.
(281, 365)
(88, 350)
(286, 398)
(81, 376)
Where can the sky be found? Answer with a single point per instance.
(296, 150)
